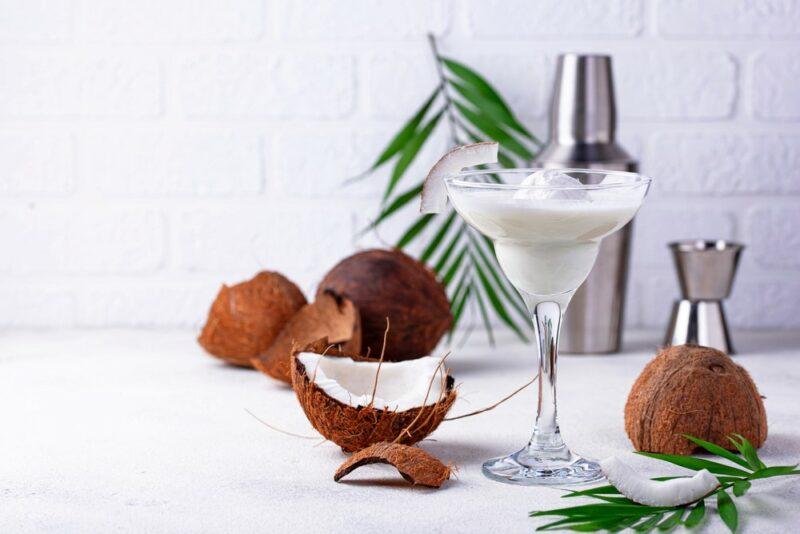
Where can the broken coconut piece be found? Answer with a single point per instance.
(641, 489)
(434, 191)
(327, 321)
(245, 318)
(388, 284)
(693, 390)
(414, 464)
(410, 401)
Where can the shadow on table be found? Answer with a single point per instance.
(387, 482)
(460, 453)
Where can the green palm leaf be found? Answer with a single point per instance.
(492, 109)
(414, 230)
(696, 515)
(410, 152)
(487, 323)
(496, 133)
(727, 510)
(697, 464)
(400, 201)
(437, 239)
(448, 250)
(475, 80)
(451, 271)
(719, 451)
(402, 137)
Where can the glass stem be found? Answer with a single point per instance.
(547, 322)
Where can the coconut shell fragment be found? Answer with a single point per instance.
(356, 427)
(413, 464)
(390, 284)
(327, 321)
(245, 318)
(693, 390)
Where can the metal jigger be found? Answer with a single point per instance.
(705, 271)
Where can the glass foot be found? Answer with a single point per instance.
(528, 468)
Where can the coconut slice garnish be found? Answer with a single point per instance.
(401, 385)
(434, 192)
(642, 490)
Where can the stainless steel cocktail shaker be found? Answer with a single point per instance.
(582, 134)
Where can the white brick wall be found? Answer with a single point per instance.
(151, 150)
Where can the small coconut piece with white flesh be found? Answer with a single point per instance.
(356, 403)
(640, 489)
(434, 191)
(413, 464)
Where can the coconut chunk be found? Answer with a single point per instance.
(401, 385)
(434, 192)
(641, 489)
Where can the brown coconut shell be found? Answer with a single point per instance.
(327, 321)
(388, 283)
(246, 318)
(693, 390)
(413, 464)
(355, 428)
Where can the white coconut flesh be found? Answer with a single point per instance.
(401, 385)
(434, 191)
(641, 489)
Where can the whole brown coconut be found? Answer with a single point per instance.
(388, 283)
(245, 318)
(693, 390)
(355, 428)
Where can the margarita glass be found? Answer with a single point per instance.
(546, 238)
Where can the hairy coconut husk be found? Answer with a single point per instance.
(414, 464)
(245, 318)
(327, 321)
(693, 390)
(355, 428)
(389, 283)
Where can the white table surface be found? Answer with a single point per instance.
(139, 431)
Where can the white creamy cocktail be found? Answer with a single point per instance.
(546, 227)
(546, 244)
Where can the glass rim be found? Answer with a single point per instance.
(457, 179)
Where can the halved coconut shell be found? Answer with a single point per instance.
(355, 427)
(330, 324)
(414, 464)
(246, 318)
